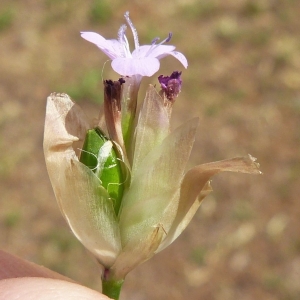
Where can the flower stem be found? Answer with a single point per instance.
(112, 288)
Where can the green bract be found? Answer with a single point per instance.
(99, 154)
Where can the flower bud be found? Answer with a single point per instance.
(171, 85)
(100, 155)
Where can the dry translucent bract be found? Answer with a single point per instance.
(160, 197)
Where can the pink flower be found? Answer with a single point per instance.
(143, 61)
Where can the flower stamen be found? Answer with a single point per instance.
(154, 45)
(121, 33)
(123, 41)
(134, 31)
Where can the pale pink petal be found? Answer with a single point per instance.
(128, 66)
(112, 48)
(159, 52)
(195, 186)
(152, 51)
(180, 57)
(177, 55)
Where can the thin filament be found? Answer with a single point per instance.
(134, 32)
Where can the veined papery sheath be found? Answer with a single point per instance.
(160, 196)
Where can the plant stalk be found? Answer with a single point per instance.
(111, 287)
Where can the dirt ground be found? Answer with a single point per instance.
(243, 81)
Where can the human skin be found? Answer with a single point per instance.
(21, 279)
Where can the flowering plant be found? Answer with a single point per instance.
(126, 195)
(143, 61)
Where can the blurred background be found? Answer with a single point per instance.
(243, 81)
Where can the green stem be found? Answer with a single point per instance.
(112, 288)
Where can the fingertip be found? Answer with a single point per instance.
(29, 288)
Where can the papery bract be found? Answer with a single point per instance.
(160, 199)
